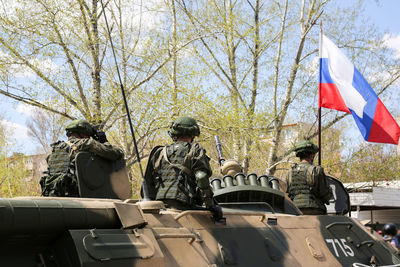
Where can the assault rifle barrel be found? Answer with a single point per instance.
(218, 145)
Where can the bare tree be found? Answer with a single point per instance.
(46, 128)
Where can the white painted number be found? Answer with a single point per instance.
(348, 249)
(344, 248)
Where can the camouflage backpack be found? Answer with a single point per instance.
(59, 180)
(300, 191)
(173, 173)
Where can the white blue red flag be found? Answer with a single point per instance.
(343, 88)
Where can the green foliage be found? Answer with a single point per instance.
(242, 69)
(372, 162)
(16, 177)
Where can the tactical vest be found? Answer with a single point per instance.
(59, 180)
(300, 191)
(174, 178)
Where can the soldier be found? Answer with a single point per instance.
(178, 173)
(307, 184)
(389, 234)
(60, 179)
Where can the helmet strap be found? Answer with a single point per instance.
(172, 136)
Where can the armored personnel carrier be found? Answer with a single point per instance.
(262, 227)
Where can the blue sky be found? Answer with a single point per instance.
(384, 13)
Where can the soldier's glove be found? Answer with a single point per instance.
(212, 205)
(100, 136)
(217, 212)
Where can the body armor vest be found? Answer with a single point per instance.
(59, 158)
(299, 190)
(60, 179)
(174, 177)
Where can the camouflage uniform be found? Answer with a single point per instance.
(60, 179)
(104, 150)
(176, 179)
(307, 184)
(178, 173)
(308, 187)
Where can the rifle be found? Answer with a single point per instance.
(230, 166)
(218, 145)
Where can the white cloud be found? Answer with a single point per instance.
(25, 109)
(393, 42)
(152, 16)
(18, 131)
(44, 65)
(22, 71)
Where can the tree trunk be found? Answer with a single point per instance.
(237, 146)
(174, 59)
(96, 80)
(305, 25)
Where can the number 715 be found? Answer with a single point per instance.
(341, 243)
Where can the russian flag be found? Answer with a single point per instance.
(343, 88)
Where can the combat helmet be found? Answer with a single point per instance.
(184, 126)
(390, 229)
(80, 126)
(305, 147)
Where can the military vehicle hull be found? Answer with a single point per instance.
(98, 232)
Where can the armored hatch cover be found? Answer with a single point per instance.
(101, 178)
(339, 204)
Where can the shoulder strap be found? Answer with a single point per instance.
(309, 168)
(179, 166)
(299, 170)
(72, 146)
(148, 175)
(188, 160)
(157, 163)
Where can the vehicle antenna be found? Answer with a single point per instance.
(144, 185)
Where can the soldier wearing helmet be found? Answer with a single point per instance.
(60, 179)
(178, 173)
(307, 184)
(390, 234)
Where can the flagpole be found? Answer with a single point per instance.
(319, 95)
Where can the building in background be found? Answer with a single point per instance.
(295, 132)
(20, 174)
(375, 203)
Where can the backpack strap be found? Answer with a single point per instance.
(149, 173)
(73, 148)
(311, 167)
(188, 160)
(178, 166)
(71, 145)
(157, 163)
